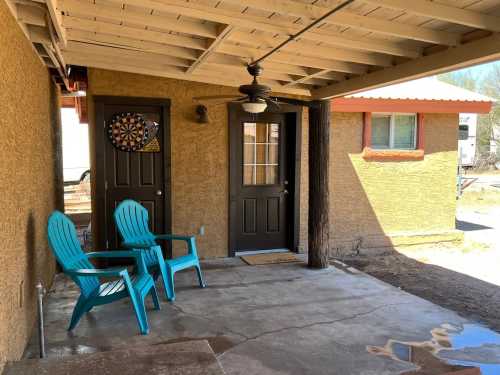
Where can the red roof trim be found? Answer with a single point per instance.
(405, 105)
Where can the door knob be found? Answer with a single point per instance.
(158, 192)
(285, 191)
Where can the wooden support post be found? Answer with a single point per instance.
(319, 191)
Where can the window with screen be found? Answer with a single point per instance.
(394, 131)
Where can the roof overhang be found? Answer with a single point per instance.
(368, 44)
(408, 106)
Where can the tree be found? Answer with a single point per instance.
(486, 82)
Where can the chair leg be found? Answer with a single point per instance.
(80, 309)
(164, 275)
(171, 283)
(138, 304)
(200, 276)
(156, 300)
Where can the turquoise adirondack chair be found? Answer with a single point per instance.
(76, 264)
(131, 218)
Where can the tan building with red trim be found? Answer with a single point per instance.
(384, 196)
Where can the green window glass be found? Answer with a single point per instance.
(404, 132)
(381, 126)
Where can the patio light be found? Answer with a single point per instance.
(256, 106)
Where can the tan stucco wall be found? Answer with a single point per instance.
(30, 137)
(372, 200)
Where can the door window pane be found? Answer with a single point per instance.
(260, 153)
(404, 131)
(381, 126)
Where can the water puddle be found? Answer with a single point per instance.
(468, 350)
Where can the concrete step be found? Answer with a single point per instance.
(186, 358)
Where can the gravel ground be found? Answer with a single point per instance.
(461, 277)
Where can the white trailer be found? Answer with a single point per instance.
(467, 139)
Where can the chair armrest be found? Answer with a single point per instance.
(97, 272)
(132, 245)
(173, 237)
(139, 258)
(112, 254)
(190, 241)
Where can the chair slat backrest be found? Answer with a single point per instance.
(64, 242)
(132, 218)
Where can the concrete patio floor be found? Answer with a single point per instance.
(274, 319)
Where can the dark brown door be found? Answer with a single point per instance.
(140, 175)
(259, 181)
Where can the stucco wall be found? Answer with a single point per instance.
(371, 200)
(30, 158)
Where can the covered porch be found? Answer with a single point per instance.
(259, 320)
(305, 317)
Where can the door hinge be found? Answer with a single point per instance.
(104, 124)
(107, 244)
(105, 185)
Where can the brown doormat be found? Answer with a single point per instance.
(270, 258)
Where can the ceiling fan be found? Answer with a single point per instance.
(256, 97)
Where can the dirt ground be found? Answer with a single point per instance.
(462, 277)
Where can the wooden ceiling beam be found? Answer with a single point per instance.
(241, 71)
(308, 78)
(273, 26)
(443, 12)
(130, 32)
(292, 59)
(56, 18)
(312, 50)
(32, 15)
(117, 13)
(125, 54)
(104, 62)
(229, 60)
(350, 19)
(132, 44)
(223, 34)
(476, 52)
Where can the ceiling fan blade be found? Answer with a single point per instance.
(272, 103)
(216, 97)
(242, 99)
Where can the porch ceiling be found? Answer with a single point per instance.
(368, 44)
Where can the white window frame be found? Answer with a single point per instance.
(392, 115)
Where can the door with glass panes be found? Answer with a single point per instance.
(259, 182)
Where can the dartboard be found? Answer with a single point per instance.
(128, 131)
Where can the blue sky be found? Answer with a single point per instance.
(480, 70)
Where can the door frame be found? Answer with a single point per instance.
(293, 118)
(100, 204)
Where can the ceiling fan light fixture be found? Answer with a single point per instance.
(257, 106)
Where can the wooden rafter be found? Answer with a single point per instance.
(350, 19)
(223, 34)
(443, 12)
(134, 33)
(476, 52)
(309, 77)
(293, 59)
(116, 13)
(250, 22)
(327, 41)
(133, 44)
(203, 75)
(56, 19)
